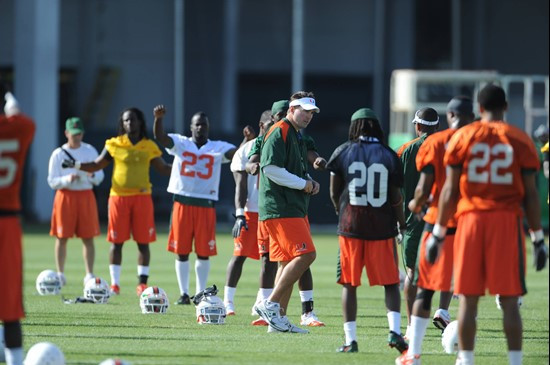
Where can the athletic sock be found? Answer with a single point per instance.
(14, 355)
(306, 296)
(143, 274)
(350, 330)
(229, 294)
(114, 270)
(182, 273)
(264, 293)
(418, 331)
(515, 357)
(202, 267)
(394, 321)
(466, 357)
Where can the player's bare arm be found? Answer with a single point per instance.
(229, 154)
(161, 166)
(421, 193)
(318, 162)
(102, 161)
(158, 129)
(336, 188)
(396, 201)
(253, 164)
(241, 189)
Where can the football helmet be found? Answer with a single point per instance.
(209, 308)
(154, 300)
(97, 290)
(44, 353)
(48, 283)
(449, 338)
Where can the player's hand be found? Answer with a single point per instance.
(401, 229)
(309, 187)
(159, 111)
(319, 163)
(249, 133)
(316, 187)
(433, 247)
(240, 222)
(253, 168)
(540, 255)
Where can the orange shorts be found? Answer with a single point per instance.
(288, 238)
(263, 239)
(131, 213)
(247, 243)
(11, 269)
(489, 253)
(74, 214)
(188, 222)
(439, 276)
(378, 256)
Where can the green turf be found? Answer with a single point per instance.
(90, 333)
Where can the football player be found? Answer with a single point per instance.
(490, 178)
(437, 277)
(365, 179)
(16, 134)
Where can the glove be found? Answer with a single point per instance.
(68, 163)
(240, 222)
(12, 106)
(540, 255)
(433, 247)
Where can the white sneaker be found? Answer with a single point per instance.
(291, 328)
(441, 319)
(62, 279)
(88, 277)
(253, 312)
(310, 319)
(270, 312)
(229, 308)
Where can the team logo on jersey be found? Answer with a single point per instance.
(212, 245)
(301, 247)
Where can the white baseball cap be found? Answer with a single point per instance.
(306, 104)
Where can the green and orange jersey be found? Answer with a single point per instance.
(283, 146)
(16, 134)
(429, 159)
(493, 156)
(407, 153)
(131, 165)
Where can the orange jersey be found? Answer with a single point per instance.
(16, 133)
(493, 156)
(431, 153)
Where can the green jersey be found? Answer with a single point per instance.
(407, 153)
(284, 147)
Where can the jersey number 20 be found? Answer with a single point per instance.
(367, 178)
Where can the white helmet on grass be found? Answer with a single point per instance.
(44, 353)
(48, 283)
(97, 290)
(209, 308)
(153, 300)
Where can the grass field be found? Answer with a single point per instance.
(90, 333)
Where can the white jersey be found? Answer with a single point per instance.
(196, 171)
(58, 177)
(238, 163)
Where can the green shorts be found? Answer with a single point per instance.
(411, 243)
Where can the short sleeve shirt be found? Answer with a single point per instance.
(369, 169)
(238, 163)
(131, 165)
(196, 171)
(284, 147)
(493, 156)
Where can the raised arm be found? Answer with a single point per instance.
(336, 188)
(158, 129)
(102, 161)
